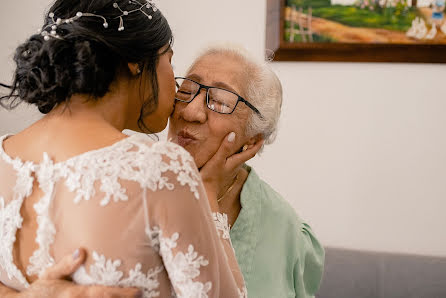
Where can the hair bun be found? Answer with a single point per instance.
(50, 72)
(43, 70)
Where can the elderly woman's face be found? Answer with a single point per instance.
(198, 129)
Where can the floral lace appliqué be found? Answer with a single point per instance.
(10, 221)
(133, 160)
(183, 268)
(46, 231)
(222, 225)
(10, 218)
(105, 272)
(153, 236)
(243, 293)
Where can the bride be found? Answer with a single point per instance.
(138, 207)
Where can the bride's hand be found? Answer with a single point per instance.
(53, 283)
(219, 172)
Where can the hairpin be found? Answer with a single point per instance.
(47, 34)
(149, 5)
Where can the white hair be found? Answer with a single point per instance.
(261, 87)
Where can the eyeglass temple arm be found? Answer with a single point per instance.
(251, 106)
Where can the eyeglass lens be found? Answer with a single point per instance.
(219, 100)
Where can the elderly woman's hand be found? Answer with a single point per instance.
(53, 283)
(219, 172)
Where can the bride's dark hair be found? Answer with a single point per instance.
(86, 58)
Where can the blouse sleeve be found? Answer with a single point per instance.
(193, 243)
(309, 268)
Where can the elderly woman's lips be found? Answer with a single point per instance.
(184, 141)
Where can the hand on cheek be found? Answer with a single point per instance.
(223, 165)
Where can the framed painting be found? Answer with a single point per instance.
(357, 30)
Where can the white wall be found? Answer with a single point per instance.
(361, 152)
(18, 20)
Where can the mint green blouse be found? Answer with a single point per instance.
(278, 253)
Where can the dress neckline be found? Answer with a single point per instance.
(17, 160)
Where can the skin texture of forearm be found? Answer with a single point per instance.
(6, 292)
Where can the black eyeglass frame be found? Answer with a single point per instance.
(201, 86)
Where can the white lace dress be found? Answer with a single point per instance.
(138, 207)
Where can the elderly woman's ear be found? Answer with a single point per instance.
(255, 143)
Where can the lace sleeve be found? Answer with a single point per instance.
(196, 252)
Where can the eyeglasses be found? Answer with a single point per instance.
(217, 99)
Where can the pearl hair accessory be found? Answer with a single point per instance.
(50, 30)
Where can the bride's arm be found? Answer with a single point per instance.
(53, 284)
(7, 292)
(193, 243)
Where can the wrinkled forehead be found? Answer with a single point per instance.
(219, 70)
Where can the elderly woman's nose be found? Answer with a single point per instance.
(196, 109)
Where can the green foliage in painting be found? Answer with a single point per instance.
(308, 3)
(357, 17)
(298, 37)
(398, 17)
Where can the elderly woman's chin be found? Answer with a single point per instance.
(191, 146)
(198, 155)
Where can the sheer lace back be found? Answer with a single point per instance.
(138, 208)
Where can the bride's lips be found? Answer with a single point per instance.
(185, 138)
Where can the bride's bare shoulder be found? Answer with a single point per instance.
(29, 145)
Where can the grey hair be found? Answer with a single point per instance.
(261, 87)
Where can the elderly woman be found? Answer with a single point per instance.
(224, 91)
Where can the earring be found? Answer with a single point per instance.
(245, 148)
(138, 71)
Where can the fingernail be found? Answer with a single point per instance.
(139, 294)
(231, 137)
(76, 254)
